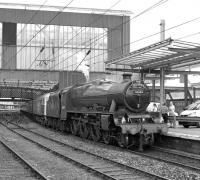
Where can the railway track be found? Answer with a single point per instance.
(105, 167)
(176, 152)
(178, 158)
(15, 166)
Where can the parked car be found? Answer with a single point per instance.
(193, 110)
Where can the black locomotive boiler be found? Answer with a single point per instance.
(101, 110)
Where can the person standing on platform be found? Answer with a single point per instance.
(154, 108)
(171, 109)
(172, 113)
(164, 111)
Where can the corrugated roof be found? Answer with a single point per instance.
(173, 54)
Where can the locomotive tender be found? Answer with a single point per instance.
(100, 110)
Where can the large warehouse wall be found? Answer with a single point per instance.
(119, 39)
(118, 27)
(9, 45)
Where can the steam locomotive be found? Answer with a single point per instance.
(101, 110)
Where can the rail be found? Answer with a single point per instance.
(117, 168)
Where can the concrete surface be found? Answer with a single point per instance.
(188, 133)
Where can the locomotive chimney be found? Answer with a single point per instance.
(126, 77)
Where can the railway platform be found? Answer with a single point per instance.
(192, 132)
(183, 139)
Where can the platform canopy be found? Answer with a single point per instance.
(170, 54)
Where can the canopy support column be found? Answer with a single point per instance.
(162, 86)
(186, 89)
(153, 90)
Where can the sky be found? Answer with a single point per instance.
(174, 12)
